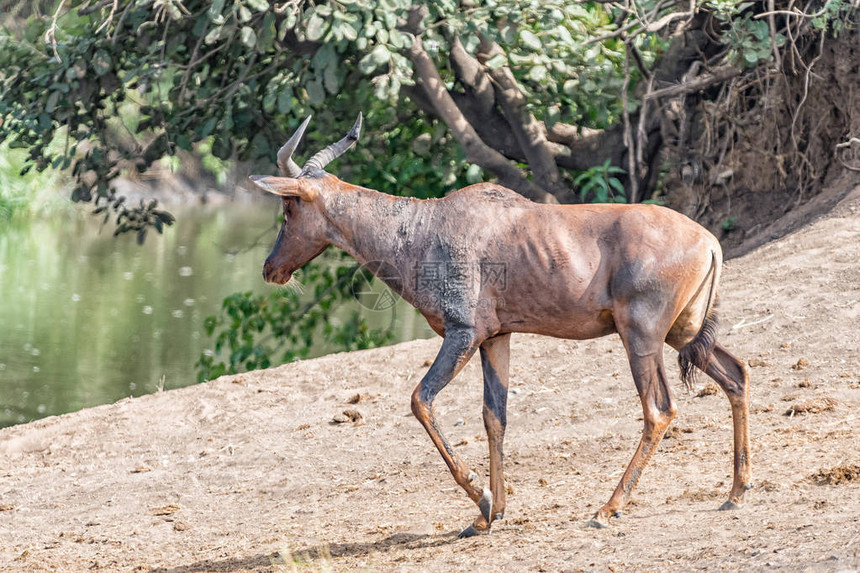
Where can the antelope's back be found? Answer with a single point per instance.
(558, 269)
(502, 224)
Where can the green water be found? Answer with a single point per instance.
(87, 319)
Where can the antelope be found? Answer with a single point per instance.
(484, 262)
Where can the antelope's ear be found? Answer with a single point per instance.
(285, 186)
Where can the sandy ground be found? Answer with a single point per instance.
(249, 473)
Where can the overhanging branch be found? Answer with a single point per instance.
(530, 133)
(476, 150)
(717, 76)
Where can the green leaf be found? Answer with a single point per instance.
(259, 146)
(285, 100)
(537, 73)
(214, 35)
(101, 62)
(474, 174)
(207, 128)
(52, 102)
(760, 30)
(199, 25)
(497, 61)
(509, 34)
(530, 40)
(269, 101)
(349, 32)
(266, 35)
(380, 55)
(331, 79)
(174, 12)
(316, 28)
(316, 92)
(215, 9)
(553, 116)
(381, 90)
(248, 36)
(398, 39)
(258, 5)
(324, 57)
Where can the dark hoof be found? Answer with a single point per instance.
(729, 506)
(595, 523)
(472, 532)
(486, 504)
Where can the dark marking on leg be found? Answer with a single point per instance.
(644, 352)
(732, 375)
(495, 354)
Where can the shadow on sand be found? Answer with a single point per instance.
(320, 553)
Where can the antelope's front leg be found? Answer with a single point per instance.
(458, 347)
(495, 353)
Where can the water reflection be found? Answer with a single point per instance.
(86, 318)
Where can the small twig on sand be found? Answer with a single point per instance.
(743, 323)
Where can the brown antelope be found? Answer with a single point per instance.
(484, 262)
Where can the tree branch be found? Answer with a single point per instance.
(718, 75)
(469, 71)
(530, 133)
(476, 150)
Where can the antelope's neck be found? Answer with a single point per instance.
(377, 228)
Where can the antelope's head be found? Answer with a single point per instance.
(304, 233)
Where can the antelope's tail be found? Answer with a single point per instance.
(698, 352)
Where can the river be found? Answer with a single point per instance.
(87, 318)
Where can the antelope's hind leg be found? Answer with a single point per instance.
(733, 377)
(495, 362)
(645, 353)
(457, 348)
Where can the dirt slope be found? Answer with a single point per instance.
(248, 473)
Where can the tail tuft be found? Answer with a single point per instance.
(697, 353)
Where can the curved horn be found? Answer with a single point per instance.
(288, 167)
(335, 150)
